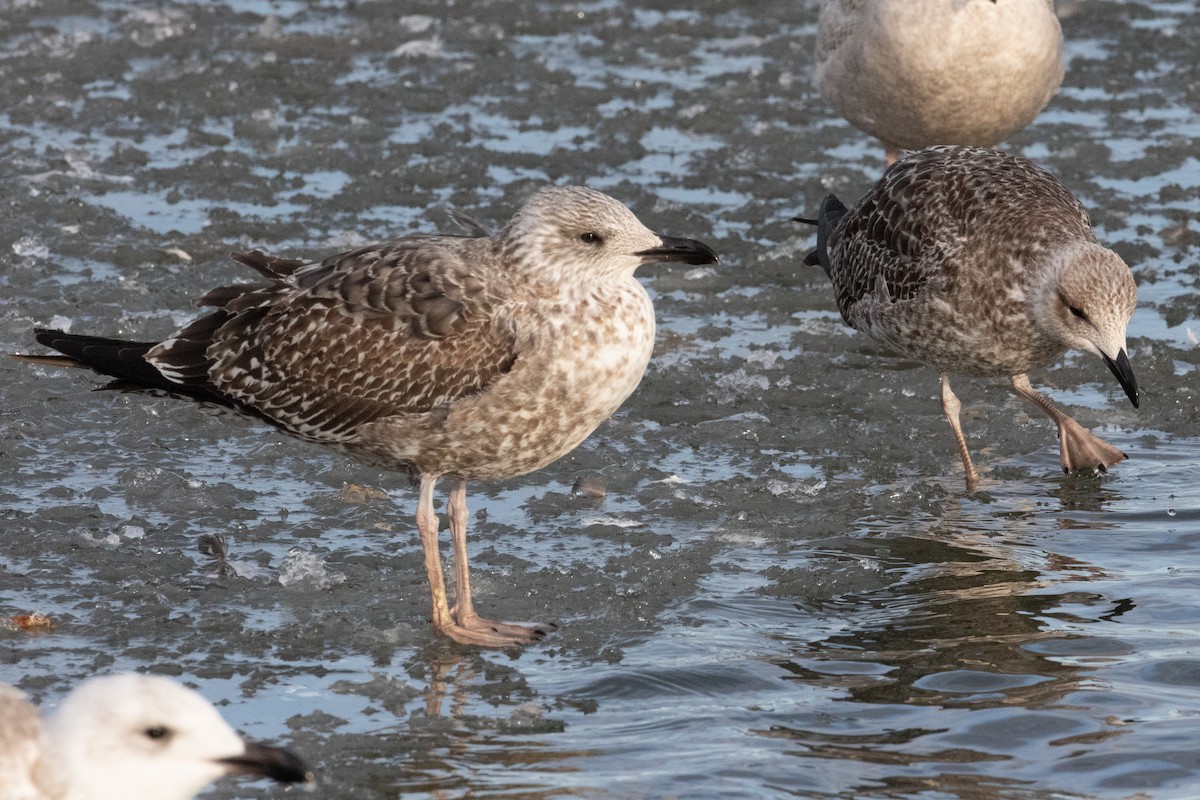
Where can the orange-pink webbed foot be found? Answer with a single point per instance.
(1083, 451)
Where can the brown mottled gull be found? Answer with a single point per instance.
(981, 263)
(915, 73)
(477, 358)
(127, 737)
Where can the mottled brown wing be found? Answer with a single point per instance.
(906, 234)
(394, 328)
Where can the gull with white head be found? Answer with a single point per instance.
(981, 263)
(127, 737)
(480, 357)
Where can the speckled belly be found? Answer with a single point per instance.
(540, 411)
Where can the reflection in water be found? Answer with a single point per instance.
(1087, 494)
(461, 722)
(958, 635)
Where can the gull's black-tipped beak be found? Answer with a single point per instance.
(269, 762)
(1120, 367)
(676, 248)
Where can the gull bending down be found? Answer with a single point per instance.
(981, 263)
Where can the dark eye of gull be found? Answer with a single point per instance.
(591, 237)
(1077, 312)
(157, 733)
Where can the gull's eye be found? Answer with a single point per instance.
(591, 237)
(157, 733)
(1076, 311)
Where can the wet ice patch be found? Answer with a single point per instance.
(110, 541)
(608, 519)
(790, 488)
(305, 569)
(763, 358)
(416, 23)
(697, 499)
(249, 570)
(150, 484)
(79, 167)
(421, 48)
(738, 385)
(133, 532)
(30, 247)
(148, 27)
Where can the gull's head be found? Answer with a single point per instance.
(576, 232)
(1087, 303)
(141, 737)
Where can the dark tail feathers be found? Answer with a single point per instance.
(113, 357)
(829, 215)
(125, 361)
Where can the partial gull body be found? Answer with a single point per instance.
(915, 73)
(981, 263)
(126, 737)
(477, 358)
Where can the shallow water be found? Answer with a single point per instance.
(784, 593)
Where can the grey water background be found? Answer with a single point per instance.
(785, 592)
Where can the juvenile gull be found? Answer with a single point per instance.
(981, 263)
(126, 737)
(915, 73)
(477, 358)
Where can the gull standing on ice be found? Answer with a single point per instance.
(981, 263)
(127, 737)
(475, 358)
(915, 73)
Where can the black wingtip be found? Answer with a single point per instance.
(45, 336)
(116, 358)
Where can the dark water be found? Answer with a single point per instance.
(785, 592)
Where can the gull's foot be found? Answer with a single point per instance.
(1083, 451)
(474, 629)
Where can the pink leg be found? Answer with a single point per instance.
(427, 527)
(486, 632)
(1079, 449)
(951, 406)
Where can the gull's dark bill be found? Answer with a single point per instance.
(677, 248)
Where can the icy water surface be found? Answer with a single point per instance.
(785, 592)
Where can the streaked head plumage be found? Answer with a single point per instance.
(576, 231)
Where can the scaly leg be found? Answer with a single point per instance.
(1079, 449)
(427, 527)
(951, 407)
(486, 632)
